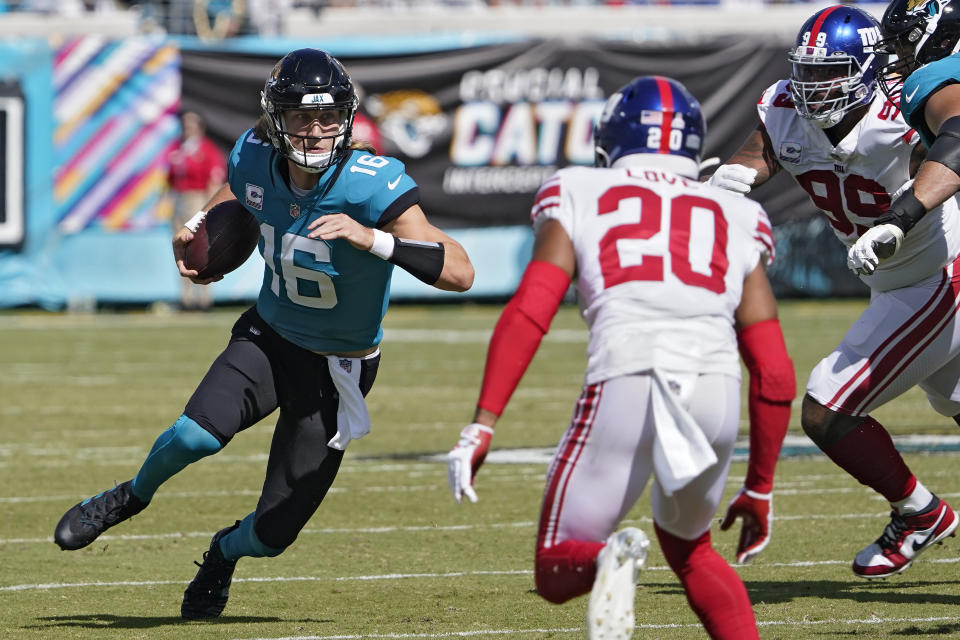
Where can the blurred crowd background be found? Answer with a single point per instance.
(271, 17)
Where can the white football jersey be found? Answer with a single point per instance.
(661, 261)
(856, 181)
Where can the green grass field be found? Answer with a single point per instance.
(390, 554)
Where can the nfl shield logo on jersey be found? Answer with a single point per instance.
(294, 211)
(346, 364)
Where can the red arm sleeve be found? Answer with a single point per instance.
(773, 386)
(518, 333)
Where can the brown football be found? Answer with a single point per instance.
(226, 237)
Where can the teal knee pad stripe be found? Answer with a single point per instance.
(184, 442)
(190, 436)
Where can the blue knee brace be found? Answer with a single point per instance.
(183, 443)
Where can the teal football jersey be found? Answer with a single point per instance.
(920, 85)
(321, 295)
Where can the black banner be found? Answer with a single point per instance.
(480, 128)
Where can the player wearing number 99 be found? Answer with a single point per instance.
(666, 268)
(851, 151)
(334, 220)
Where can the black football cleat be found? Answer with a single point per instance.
(207, 593)
(84, 521)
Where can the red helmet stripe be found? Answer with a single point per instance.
(815, 29)
(666, 102)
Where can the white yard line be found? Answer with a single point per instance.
(880, 515)
(335, 531)
(580, 630)
(50, 586)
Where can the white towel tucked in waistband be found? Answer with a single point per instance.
(680, 450)
(353, 419)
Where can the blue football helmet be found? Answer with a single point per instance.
(916, 32)
(833, 64)
(651, 114)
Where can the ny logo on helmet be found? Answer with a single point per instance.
(869, 36)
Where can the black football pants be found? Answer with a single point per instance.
(258, 372)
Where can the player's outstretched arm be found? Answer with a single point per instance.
(516, 337)
(772, 389)
(454, 270)
(409, 241)
(937, 179)
(752, 165)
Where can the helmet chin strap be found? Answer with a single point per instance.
(601, 157)
(928, 28)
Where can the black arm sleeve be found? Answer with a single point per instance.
(423, 260)
(946, 147)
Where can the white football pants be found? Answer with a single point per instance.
(906, 337)
(605, 459)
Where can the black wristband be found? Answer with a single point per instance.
(905, 212)
(422, 260)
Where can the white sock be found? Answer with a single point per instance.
(918, 500)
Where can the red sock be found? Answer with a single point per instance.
(566, 570)
(867, 453)
(714, 590)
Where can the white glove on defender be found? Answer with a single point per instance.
(734, 177)
(873, 247)
(465, 459)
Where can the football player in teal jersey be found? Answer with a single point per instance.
(334, 218)
(924, 79)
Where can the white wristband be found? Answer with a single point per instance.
(194, 223)
(479, 427)
(383, 244)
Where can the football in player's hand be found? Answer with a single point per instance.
(226, 237)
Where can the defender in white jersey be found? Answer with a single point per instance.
(850, 149)
(665, 268)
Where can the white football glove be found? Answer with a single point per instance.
(873, 247)
(465, 459)
(734, 177)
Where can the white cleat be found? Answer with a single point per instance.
(610, 612)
